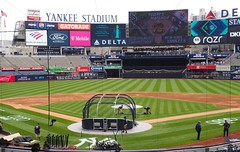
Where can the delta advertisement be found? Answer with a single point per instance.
(108, 35)
(153, 28)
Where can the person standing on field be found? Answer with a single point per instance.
(198, 129)
(226, 127)
(37, 131)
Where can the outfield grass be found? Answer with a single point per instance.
(163, 134)
(121, 85)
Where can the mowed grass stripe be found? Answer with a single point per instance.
(175, 87)
(182, 86)
(131, 86)
(120, 85)
(198, 88)
(163, 87)
(145, 83)
(231, 87)
(168, 85)
(218, 87)
(211, 88)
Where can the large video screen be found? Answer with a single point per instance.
(153, 28)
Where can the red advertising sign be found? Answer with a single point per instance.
(7, 78)
(31, 68)
(8, 69)
(74, 26)
(201, 67)
(82, 69)
(33, 18)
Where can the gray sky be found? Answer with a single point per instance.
(17, 9)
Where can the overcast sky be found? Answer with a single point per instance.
(17, 9)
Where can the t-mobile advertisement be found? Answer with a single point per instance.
(80, 38)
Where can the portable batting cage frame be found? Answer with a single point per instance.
(117, 99)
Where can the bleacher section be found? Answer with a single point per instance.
(21, 61)
(234, 60)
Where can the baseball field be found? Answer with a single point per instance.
(176, 106)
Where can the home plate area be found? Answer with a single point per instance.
(139, 127)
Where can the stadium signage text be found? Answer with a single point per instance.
(234, 34)
(225, 13)
(207, 40)
(234, 21)
(85, 18)
(117, 42)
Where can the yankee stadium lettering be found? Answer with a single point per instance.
(61, 17)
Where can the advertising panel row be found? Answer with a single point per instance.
(152, 28)
(74, 34)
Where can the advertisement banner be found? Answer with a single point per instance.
(209, 27)
(58, 38)
(7, 68)
(41, 68)
(33, 18)
(237, 48)
(202, 55)
(80, 38)
(223, 68)
(41, 25)
(36, 37)
(7, 78)
(201, 67)
(108, 35)
(97, 69)
(201, 40)
(153, 28)
(74, 26)
(34, 77)
(43, 50)
(234, 22)
(235, 76)
(234, 34)
(82, 69)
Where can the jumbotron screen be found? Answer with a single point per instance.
(153, 28)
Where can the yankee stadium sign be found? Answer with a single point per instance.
(84, 18)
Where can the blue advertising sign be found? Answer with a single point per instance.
(202, 55)
(58, 38)
(233, 22)
(237, 48)
(108, 35)
(97, 69)
(209, 27)
(41, 25)
(154, 28)
(34, 77)
(235, 76)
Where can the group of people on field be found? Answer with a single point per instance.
(226, 127)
